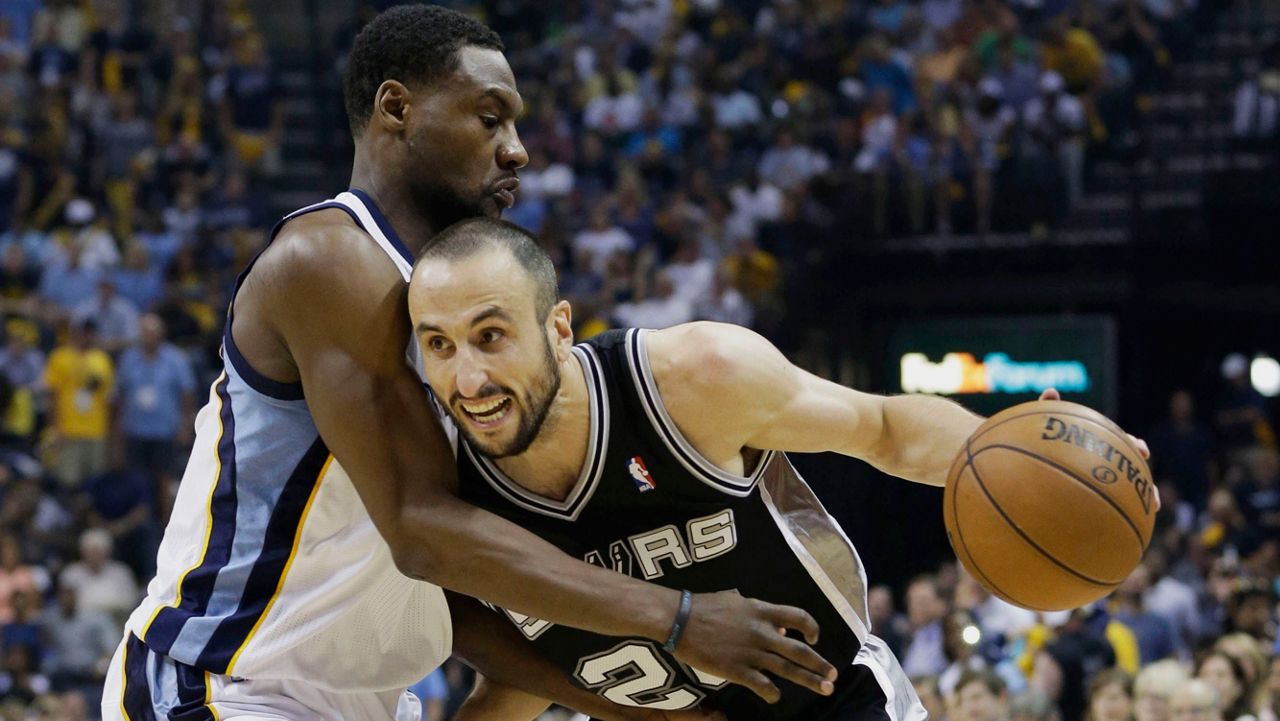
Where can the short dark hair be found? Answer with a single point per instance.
(986, 677)
(468, 237)
(412, 44)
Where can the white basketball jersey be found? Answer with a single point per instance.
(270, 567)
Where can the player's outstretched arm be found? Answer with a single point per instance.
(329, 297)
(728, 388)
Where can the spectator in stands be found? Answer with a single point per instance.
(102, 583)
(1182, 450)
(601, 240)
(139, 280)
(1258, 495)
(115, 317)
(21, 681)
(23, 629)
(1156, 636)
(66, 284)
(80, 642)
(155, 408)
(1257, 101)
(926, 688)
(127, 153)
(980, 696)
(925, 609)
(662, 308)
(21, 362)
(16, 577)
(988, 127)
(1153, 689)
(1110, 696)
(1054, 123)
(1226, 677)
(1250, 611)
(1242, 418)
(252, 112)
(80, 378)
(787, 164)
(1032, 705)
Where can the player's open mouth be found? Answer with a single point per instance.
(487, 413)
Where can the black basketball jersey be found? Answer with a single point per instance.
(647, 504)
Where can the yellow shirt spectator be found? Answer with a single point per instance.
(81, 381)
(1077, 57)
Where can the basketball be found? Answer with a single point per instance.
(1049, 505)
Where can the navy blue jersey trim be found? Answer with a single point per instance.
(383, 224)
(193, 692)
(255, 380)
(196, 586)
(264, 577)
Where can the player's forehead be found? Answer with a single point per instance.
(451, 291)
(485, 72)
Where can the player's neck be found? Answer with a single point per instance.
(553, 462)
(394, 200)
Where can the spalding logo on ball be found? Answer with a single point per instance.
(1049, 505)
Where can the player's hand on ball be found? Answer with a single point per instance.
(1052, 394)
(738, 639)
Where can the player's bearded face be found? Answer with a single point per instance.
(530, 406)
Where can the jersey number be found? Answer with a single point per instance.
(633, 674)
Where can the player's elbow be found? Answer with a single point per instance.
(414, 559)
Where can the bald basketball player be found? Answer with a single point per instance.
(659, 454)
(320, 494)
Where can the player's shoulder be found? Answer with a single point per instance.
(705, 352)
(325, 252)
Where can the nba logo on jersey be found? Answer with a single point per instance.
(640, 474)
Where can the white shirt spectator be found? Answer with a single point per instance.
(727, 307)
(789, 166)
(1257, 113)
(877, 143)
(1175, 601)
(693, 280)
(654, 312)
(738, 109)
(613, 114)
(116, 318)
(553, 181)
(763, 204)
(110, 589)
(1067, 113)
(602, 243)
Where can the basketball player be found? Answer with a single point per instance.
(321, 485)
(658, 454)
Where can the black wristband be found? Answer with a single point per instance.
(682, 617)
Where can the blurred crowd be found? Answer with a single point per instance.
(688, 159)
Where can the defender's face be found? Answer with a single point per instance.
(489, 358)
(463, 145)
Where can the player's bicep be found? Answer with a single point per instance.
(820, 416)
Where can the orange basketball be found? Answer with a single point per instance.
(1049, 505)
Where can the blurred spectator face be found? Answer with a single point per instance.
(1251, 613)
(106, 291)
(1273, 678)
(74, 706)
(927, 689)
(976, 702)
(879, 602)
(85, 335)
(960, 635)
(1110, 703)
(923, 604)
(68, 598)
(663, 287)
(1217, 671)
(1264, 467)
(150, 332)
(1136, 583)
(15, 258)
(600, 218)
(1153, 689)
(22, 604)
(1046, 675)
(1182, 407)
(125, 105)
(10, 553)
(95, 549)
(1194, 701)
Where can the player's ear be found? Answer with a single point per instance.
(391, 105)
(560, 328)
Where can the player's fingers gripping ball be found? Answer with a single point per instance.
(1049, 505)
